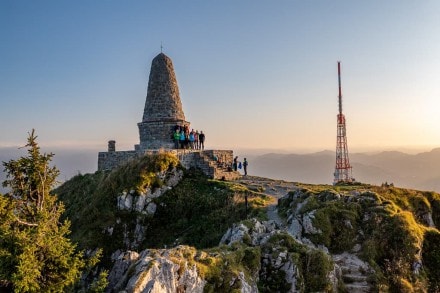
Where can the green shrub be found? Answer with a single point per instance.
(338, 223)
(431, 258)
(227, 262)
(316, 265)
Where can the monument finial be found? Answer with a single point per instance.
(161, 47)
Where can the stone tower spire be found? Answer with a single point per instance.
(163, 99)
(163, 108)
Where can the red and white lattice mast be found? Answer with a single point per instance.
(343, 168)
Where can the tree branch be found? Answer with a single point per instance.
(5, 283)
(26, 223)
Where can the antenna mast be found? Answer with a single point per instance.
(343, 169)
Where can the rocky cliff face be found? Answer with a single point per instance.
(354, 240)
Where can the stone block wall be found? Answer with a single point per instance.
(110, 160)
(158, 134)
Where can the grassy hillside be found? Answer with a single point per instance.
(195, 212)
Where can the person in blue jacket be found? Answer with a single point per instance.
(182, 140)
(191, 139)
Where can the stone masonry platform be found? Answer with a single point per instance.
(216, 164)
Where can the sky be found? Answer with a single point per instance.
(252, 74)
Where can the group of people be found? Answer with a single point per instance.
(185, 139)
(237, 165)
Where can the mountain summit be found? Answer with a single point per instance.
(167, 229)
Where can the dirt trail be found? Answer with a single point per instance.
(273, 188)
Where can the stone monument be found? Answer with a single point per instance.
(162, 113)
(163, 108)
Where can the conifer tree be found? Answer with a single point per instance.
(35, 253)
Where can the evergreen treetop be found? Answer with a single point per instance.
(35, 253)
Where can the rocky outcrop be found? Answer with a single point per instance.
(119, 273)
(349, 270)
(143, 202)
(154, 271)
(254, 233)
(179, 269)
(281, 261)
(300, 225)
(279, 256)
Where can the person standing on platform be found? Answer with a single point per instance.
(191, 139)
(235, 164)
(202, 140)
(196, 140)
(245, 164)
(176, 139)
(182, 139)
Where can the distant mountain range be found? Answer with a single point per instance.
(419, 171)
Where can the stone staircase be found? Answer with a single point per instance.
(354, 272)
(216, 169)
(205, 161)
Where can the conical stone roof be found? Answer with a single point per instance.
(163, 98)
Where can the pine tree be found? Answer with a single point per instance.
(35, 253)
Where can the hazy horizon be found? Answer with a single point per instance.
(84, 160)
(258, 150)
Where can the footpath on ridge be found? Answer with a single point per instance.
(273, 188)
